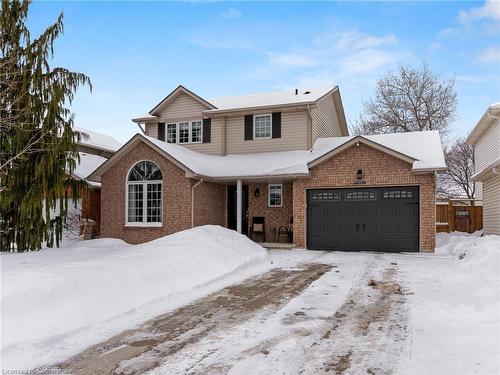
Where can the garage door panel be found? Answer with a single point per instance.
(384, 219)
(335, 227)
(367, 210)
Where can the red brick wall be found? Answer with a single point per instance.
(91, 207)
(210, 204)
(274, 216)
(176, 198)
(379, 169)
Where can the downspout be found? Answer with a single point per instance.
(309, 128)
(192, 201)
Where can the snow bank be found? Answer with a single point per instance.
(56, 302)
(456, 306)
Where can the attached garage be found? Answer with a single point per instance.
(357, 219)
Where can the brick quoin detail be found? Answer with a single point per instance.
(274, 216)
(379, 169)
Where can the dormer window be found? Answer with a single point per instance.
(262, 128)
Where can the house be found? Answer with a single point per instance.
(94, 149)
(486, 140)
(264, 162)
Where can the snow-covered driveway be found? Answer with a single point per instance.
(317, 312)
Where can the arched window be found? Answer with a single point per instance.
(144, 194)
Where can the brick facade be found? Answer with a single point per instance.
(210, 204)
(379, 169)
(210, 199)
(274, 216)
(176, 198)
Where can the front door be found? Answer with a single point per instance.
(231, 208)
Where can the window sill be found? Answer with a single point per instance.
(143, 225)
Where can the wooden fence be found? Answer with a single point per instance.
(450, 218)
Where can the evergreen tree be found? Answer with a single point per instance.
(37, 140)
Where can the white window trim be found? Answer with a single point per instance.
(144, 223)
(269, 195)
(190, 130)
(262, 115)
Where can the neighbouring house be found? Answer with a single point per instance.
(94, 149)
(486, 140)
(271, 164)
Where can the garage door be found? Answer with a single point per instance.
(380, 219)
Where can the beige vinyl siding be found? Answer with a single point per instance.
(491, 205)
(152, 130)
(293, 135)
(215, 146)
(183, 106)
(325, 121)
(487, 148)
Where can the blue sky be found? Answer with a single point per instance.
(137, 52)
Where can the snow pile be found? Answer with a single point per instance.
(57, 302)
(455, 306)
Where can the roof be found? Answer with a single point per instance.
(488, 118)
(422, 149)
(172, 95)
(98, 140)
(88, 163)
(249, 101)
(269, 99)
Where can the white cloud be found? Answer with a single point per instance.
(291, 60)
(435, 46)
(367, 61)
(490, 10)
(354, 40)
(490, 55)
(231, 13)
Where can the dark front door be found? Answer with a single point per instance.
(380, 219)
(231, 208)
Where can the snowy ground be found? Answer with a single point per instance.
(318, 312)
(56, 302)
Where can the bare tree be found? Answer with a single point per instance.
(409, 99)
(460, 160)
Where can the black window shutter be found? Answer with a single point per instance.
(161, 131)
(276, 120)
(248, 127)
(207, 130)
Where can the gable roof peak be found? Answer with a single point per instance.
(180, 89)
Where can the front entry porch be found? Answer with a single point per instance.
(262, 210)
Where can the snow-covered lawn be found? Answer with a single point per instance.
(56, 302)
(315, 312)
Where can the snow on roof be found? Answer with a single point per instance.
(88, 164)
(484, 123)
(99, 140)
(425, 147)
(286, 97)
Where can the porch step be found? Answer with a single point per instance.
(277, 245)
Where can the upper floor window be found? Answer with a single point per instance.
(196, 132)
(171, 133)
(262, 126)
(144, 195)
(185, 132)
(275, 195)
